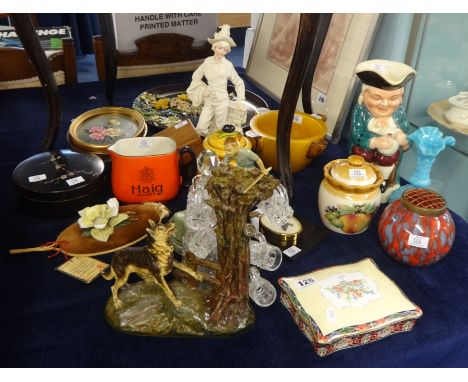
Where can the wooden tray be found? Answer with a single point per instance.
(184, 134)
(72, 242)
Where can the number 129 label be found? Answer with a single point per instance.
(304, 283)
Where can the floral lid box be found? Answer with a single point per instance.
(347, 305)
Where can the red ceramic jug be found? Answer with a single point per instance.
(147, 169)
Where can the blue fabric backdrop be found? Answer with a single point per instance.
(49, 319)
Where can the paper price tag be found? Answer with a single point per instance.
(321, 99)
(305, 283)
(180, 124)
(331, 315)
(252, 134)
(144, 143)
(357, 173)
(418, 241)
(297, 119)
(292, 251)
(37, 178)
(379, 67)
(73, 181)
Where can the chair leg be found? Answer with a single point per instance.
(69, 61)
(27, 35)
(108, 40)
(99, 57)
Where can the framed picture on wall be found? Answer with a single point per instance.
(347, 43)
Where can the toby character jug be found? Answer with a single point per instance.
(147, 169)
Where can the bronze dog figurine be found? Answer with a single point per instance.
(151, 263)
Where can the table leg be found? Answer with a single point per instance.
(324, 23)
(308, 26)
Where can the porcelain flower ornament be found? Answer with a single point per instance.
(101, 219)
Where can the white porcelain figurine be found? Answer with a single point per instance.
(214, 96)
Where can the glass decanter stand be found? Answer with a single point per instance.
(277, 207)
(200, 218)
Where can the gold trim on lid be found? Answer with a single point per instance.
(131, 114)
(337, 173)
(281, 243)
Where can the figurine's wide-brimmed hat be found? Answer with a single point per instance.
(384, 74)
(223, 35)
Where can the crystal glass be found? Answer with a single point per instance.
(202, 243)
(261, 291)
(199, 215)
(250, 230)
(200, 219)
(206, 160)
(265, 255)
(277, 207)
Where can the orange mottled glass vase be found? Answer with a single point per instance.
(417, 229)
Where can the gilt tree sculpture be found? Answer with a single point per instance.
(233, 193)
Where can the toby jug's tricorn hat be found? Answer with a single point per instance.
(384, 74)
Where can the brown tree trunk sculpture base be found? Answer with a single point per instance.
(216, 310)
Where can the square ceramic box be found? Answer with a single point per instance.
(348, 305)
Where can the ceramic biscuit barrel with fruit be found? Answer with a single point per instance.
(349, 194)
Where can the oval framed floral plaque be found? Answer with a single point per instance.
(95, 130)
